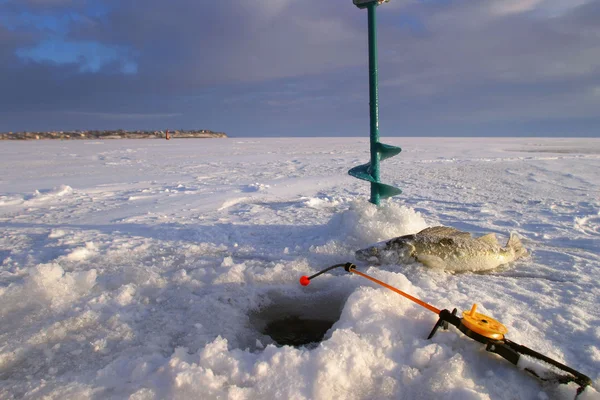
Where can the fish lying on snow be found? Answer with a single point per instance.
(445, 248)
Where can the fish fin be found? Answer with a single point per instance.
(490, 238)
(431, 261)
(515, 244)
(443, 231)
(399, 240)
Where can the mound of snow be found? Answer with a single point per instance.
(81, 253)
(365, 223)
(43, 195)
(47, 285)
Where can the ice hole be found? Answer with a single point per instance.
(299, 321)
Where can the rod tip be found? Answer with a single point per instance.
(304, 281)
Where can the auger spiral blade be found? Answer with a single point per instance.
(365, 172)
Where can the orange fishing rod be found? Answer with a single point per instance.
(400, 292)
(479, 327)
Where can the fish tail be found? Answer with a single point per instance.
(515, 244)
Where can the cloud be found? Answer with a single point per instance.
(194, 61)
(217, 42)
(505, 7)
(510, 50)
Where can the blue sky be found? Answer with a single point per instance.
(299, 68)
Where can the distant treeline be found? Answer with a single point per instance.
(111, 134)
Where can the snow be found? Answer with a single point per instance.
(146, 269)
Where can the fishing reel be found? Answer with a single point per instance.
(480, 328)
(490, 332)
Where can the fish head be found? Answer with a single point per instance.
(371, 253)
(391, 251)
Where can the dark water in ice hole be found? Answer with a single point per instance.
(299, 320)
(297, 331)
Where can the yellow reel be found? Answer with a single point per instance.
(483, 325)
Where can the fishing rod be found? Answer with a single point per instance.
(479, 327)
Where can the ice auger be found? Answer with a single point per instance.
(379, 151)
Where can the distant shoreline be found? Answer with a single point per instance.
(110, 135)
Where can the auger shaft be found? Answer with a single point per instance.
(373, 102)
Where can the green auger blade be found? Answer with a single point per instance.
(387, 151)
(364, 171)
(386, 191)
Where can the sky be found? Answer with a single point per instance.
(300, 68)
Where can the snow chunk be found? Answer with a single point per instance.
(82, 253)
(424, 356)
(56, 233)
(125, 295)
(58, 191)
(227, 262)
(10, 200)
(235, 274)
(49, 284)
(256, 187)
(320, 203)
(61, 190)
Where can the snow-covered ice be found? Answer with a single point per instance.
(145, 269)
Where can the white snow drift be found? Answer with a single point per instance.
(145, 269)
